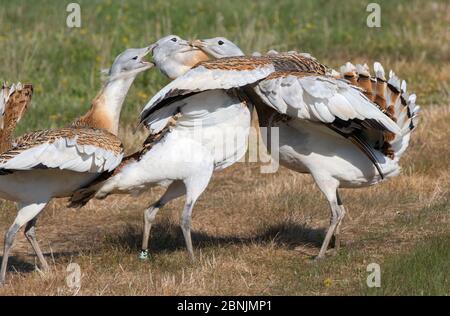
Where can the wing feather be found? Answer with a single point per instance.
(229, 73)
(76, 149)
(322, 99)
(201, 79)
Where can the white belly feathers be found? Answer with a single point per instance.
(219, 122)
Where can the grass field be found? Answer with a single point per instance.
(253, 233)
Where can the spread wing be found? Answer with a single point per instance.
(225, 73)
(323, 99)
(77, 149)
(335, 103)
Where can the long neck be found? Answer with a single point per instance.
(174, 66)
(106, 106)
(171, 68)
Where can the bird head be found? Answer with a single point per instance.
(218, 47)
(129, 63)
(174, 56)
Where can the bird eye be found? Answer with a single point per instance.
(135, 58)
(174, 39)
(221, 42)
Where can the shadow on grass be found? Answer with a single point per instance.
(19, 264)
(26, 265)
(167, 236)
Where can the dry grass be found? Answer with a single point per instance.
(253, 233)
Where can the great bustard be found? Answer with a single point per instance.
(41, 165)
(328, 127)
(209, 134)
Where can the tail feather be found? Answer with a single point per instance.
(92, 190)
(5, 94)
(81, 197)
(380, 97)
(349, 72)
(391, 97)
(393, 92)
(364, 81)
(14, 101)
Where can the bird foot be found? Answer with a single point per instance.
(144, 255)
(45, 272)
(318, 258)
(332, 252)
(328, 253)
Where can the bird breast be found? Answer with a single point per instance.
(218, 121)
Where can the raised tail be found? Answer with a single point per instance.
(392, 98)
(82, 196)
(406, 112)
(14, 101)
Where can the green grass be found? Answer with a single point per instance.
(64, 64)
(423, 271)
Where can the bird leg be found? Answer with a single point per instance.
(194, 188)
(185, 223)
(30, 234)
(26, 213)
(9, 239)
(175, 190)
(149, 218)
(337, 233)
(329, 186)
(335, 215)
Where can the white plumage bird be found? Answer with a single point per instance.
(209, 134)
(343, 134)
(39, 166)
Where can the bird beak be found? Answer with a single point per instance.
(141, 64)
(151, 48)
(147, 64)
(197, 43)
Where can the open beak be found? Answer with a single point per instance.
(151, 48)
(189, 47)
(197, 43)
(147, 64)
